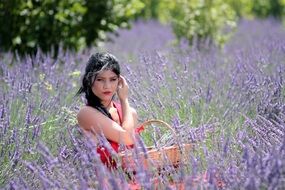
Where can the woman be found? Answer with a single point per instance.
(115, 120)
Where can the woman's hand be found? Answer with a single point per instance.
(123, 89)
(129, 119)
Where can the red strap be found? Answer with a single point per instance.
(118, 106)
(119, 110)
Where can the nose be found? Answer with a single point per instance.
(106, 85)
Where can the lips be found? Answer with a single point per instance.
(107, 93)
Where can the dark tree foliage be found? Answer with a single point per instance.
(48, 24)
(273, 8)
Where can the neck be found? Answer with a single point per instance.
(107, 105)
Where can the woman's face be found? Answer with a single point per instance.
(105, 86)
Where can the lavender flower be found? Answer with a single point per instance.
(228, 103)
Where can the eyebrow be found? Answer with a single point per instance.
(115, 76)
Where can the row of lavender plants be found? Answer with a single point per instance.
(228, 102)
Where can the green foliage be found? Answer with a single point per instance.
(76, 24)
(265, 8)
(207, 19)
(258, 8)
(242, 8)
(49, 23)
(157, 9)
(212, 20)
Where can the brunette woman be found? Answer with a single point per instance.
(116, 120)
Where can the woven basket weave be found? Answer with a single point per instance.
(159, 158)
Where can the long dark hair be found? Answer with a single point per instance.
(96, 63)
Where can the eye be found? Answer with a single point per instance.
(114, 79)
(99, 79)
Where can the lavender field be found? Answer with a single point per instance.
(229, 102)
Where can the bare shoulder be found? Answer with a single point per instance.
(85, 115)
(85, 111)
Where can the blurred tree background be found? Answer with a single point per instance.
(74, 24)
(29, 25)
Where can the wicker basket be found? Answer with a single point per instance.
(159, 158)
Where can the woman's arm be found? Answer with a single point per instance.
(129, 114)
(128, 120)
(91, 119)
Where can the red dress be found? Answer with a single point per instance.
(105, 155)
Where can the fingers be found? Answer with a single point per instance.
(122, 82)
(123, 88)
(120, 85)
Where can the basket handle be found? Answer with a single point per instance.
(146, 123)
